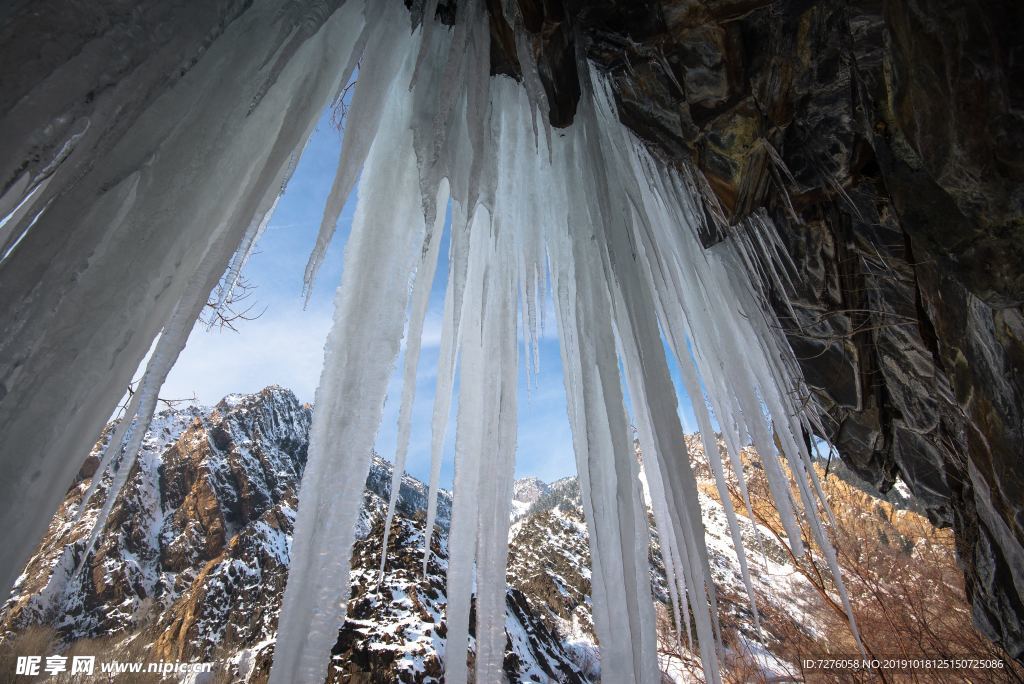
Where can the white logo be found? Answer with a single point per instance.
(28, 665)
(83, 664)
(56, 664)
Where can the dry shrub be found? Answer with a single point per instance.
(904, 584)
(34, 640)
(42, 641)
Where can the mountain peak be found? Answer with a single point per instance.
(272, 393)
(529, 489)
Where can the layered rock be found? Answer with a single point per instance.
(198, 534)
(526, 492)
(884, 139)
(192, 562)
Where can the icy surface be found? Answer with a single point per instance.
(381, 253)
(586, 209)
(162, 177)
(417, 315)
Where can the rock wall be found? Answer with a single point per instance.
(882, 136)
(884, 139)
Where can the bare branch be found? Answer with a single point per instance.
(122, 410)
(341, 104)
(228, 314)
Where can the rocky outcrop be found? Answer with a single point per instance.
(884, 139)
(192, 563)
(197, 535)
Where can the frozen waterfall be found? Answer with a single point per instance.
(585, 214)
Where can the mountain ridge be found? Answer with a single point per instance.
(193, 558)
(192, 562)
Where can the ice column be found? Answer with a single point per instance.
(155, 177)
(370, 308)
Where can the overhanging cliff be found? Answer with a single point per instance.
(885, 138)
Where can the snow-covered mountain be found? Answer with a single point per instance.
(192, 562)
(193, 559)
(525, 492)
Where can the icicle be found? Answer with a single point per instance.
(420, 300)
(452, 83)
(621, 587)
(429, 25)
(126, 441)
(477, 75)
(668, 560)
(387, 235)
(386, 28)
(531, 74)
(78, 327)
(651, 390)
(477, 420)
(140, 413)
(458, 261)
(664, 451)
(492, 539)
(485, 456)
(819, 490)
(670, 316)
(681, 590)
(432, 155)
(505, 267)
(111, 452)
(771, 378)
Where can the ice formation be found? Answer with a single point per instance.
(614, 231)
(122, 225)
(586, 213)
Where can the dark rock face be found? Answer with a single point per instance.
(884, 138)
(194, 540)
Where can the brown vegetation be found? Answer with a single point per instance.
(904, 583)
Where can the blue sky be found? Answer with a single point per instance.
(285, 345)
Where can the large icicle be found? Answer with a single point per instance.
(153, 175)
(670, 311)
(458, 261)
(484, 461)
(414, 337)
(382, 250)
(387, 27)
(500, 377)
(127, 438)
(651, 390)
(609, 484)
(476, 420)
(497, 473)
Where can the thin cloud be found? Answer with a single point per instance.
(286, 349)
